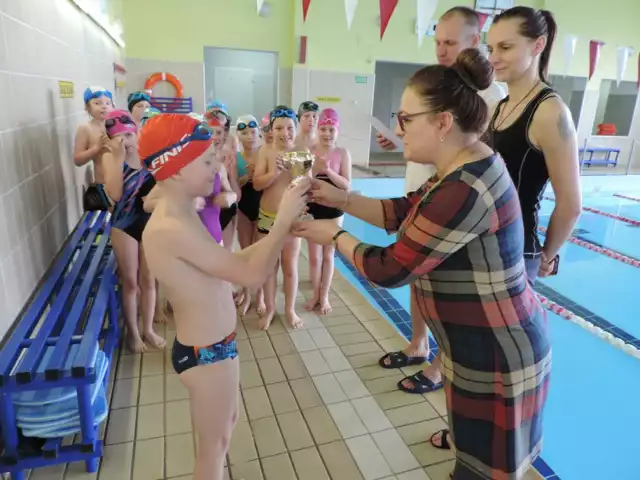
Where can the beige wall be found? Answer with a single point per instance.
(43, 41)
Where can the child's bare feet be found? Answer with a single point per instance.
(265, 319)
(238, 297)
(161, 314)
(261, 308)
(155, 340)
(134, 342)
(325, 306)
(243, 306)
(311, 304)
(293, 320)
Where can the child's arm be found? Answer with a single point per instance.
(113, 159)
(251, 266)
(83, 152)
(227, 196)
(267, 170)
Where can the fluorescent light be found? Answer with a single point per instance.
(89, 7)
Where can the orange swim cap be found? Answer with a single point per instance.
(170, 141)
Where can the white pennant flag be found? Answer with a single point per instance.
(623, 59)
(259, 5)
(425, 10)
(570, 42)
(350, 8)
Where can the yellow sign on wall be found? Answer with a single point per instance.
(329, 99)
(66, 89)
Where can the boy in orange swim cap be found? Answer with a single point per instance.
(196, 274)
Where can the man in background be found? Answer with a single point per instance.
(457, 30)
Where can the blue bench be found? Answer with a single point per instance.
(607, 159)
(60, 348)
(173, 105)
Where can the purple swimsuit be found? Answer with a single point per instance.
(210, 214)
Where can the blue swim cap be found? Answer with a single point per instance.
(217, 105)
(96, 92)
(149, 113)
(136, 97)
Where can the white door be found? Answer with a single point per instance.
(234, 86)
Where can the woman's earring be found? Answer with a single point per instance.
(441, 139)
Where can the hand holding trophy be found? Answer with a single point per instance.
(299, 163)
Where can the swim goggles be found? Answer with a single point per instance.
(252, 124)
(283, 113)
(96, 92)
(200, 133)
(123, 119)
(136, 97)
(266, 128)
(308, 106)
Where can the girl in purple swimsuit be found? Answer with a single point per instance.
(210, 213)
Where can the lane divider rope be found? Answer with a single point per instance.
(626, 197)
(630, 221)
(601, 250)
(608, 337)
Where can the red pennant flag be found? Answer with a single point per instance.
(386, 11)
(305, 9)
(594, 56)
(483, 19)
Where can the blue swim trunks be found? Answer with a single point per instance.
(184, 357)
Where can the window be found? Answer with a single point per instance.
(616, 105)
(571, 90)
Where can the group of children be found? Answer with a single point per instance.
(178, 188)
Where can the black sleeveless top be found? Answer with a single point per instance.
(525, 164)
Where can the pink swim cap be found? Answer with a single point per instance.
(329, 117)
(266, 120)
(120, 121)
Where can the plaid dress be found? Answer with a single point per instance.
(460, 244)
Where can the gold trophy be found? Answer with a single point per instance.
(299, 163)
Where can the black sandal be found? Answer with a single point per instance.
(400, 360)
(444, 445)
(421, 384)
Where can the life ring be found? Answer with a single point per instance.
(164, 77)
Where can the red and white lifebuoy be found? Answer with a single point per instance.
(154, 78)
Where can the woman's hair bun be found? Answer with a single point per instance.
(474, 69)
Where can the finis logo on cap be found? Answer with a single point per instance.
(157, 163)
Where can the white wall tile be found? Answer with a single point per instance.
(40, 188)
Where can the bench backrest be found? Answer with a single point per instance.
(67, 308)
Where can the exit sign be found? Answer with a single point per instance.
(362, 79)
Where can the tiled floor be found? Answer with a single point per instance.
(315, 406)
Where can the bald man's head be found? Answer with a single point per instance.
(458, 29)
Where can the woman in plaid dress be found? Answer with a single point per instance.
(460, 244)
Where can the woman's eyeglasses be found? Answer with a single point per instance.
(403, 117)
(111, 122)
(242, 126)
(201, 132)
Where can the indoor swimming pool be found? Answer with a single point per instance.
(591, 415)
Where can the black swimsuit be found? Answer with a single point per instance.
(320, 212)
(249, 203)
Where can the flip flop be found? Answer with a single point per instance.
(400, 360)
(421, 384)
(444, 445)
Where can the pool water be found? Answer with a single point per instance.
(593, 411)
